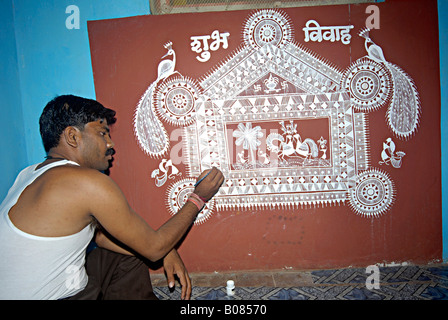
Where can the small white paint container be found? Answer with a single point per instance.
(230, 287)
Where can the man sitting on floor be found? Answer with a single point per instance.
(50, 215)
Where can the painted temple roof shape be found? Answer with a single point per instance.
(302, 70)
(247, 115)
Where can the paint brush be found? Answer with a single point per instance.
(200, 180)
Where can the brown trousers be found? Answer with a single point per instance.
(115, 276)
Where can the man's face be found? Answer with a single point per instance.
(97, 146)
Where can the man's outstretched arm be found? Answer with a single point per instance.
(113, 212)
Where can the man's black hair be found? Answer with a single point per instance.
(69, 110)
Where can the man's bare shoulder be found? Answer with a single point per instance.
(63, 197)
(71, 171)
(77, 178)
(84, 187)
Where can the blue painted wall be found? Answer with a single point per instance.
(13, 155)
(55, 60)
(41, 58)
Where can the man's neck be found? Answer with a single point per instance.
(51, 157)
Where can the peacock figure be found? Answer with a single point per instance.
(149, 130)
(375, 82)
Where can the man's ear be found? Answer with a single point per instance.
(72, 136)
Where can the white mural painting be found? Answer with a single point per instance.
(287, 128)
(165, 171)
(374, 82)
(389, 156)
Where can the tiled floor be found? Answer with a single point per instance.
(395, 283)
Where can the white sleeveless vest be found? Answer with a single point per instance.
(33, 267)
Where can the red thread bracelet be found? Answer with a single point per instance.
(200, 199)
(195, 203)
(196, 200)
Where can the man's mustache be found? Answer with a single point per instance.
(110, 152)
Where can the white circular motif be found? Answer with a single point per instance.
(373, 194)
(369, 83)
(178, 194)
(267, 26)
(175, 101)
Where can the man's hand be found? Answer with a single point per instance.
(172, 263)
(208, 183)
